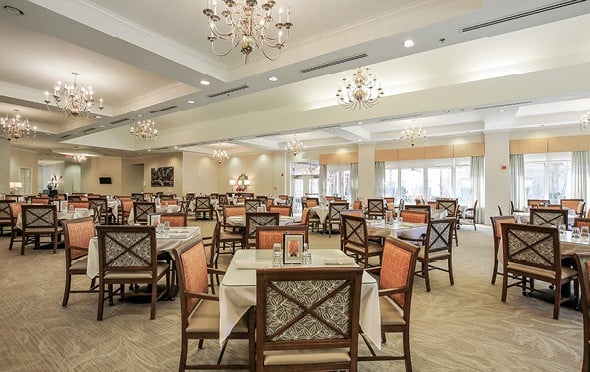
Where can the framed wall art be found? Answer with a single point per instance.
(162, 177)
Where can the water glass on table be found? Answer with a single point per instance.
(585, 232)
(277, 255)
(561, 229)
(576, 233)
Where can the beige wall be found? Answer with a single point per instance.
(131, 177)
(201, 174)
(47, 172)
(72, 177)
(5, 166)
(172, 160)
(24, 159)
(497, 180)
(95, 167)
(259, 169)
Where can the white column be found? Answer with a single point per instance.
(366, 161)
(497, 175)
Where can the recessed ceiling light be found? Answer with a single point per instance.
(273, 78)
(13, 10)
(359, 122)
(102, 126)
(149, 150)
(190, 101)
(139, 115)
(205, 82)
(409, 43)
(176, 147)
(98, 116)
(48, 134)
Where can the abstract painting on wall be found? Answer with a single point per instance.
(163, 177)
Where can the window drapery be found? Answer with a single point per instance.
(323, 179)
(379, 179)
(580, 173)
(354, 181)
(517, 181)
(477, 182)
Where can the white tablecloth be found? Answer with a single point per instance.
(164, 244)
(321, 211)
(525, 217)
(161, 209)
(237, 292)
(408, 230)
(240, 220)
(61, 216)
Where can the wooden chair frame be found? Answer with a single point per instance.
(5, 215)
(438, 247)
(548, 217)
(497, 236)
(343, 283)
(204, 207)
(39, 221)
(582, 263)
(471, 215)
(375, 208)
(333, 217)
(253, 221)
(354, 240)
(142, 210)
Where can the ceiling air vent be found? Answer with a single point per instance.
(502, 105)
(64, 136)
(326, 127)
(402, 117)
(334, 63)
(163, 109)
(268, 135)
(119, 121)
(227, 92)
(86, 131)
(524, 14)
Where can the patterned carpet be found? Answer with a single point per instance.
(461, 328)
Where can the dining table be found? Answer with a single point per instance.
(237, 291)
(159, 209)
(570, 245)
(525, 217)
(62, 216)
(396, 229)
(164, 243)
(240, 220)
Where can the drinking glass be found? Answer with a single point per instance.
(585, 231)
(306, 255)
(159, 229)
(166, 227)
(561, 229)
(277, 255)
(576, 233)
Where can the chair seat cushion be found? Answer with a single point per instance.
(143, 275)
(337, 355)
(228, 235)
(373, 249)
(433, 256)
(41, 230)
(205, 318)
(391, 313)
(79, 265)
(566, 272)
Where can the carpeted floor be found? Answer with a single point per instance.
(461, 328)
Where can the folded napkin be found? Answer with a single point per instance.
(344, 261)
(251, 264)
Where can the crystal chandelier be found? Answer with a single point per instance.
(246, 24)
(413, 135)
(17, 127)
(220, 155)
(144, 130)
(362, 91)
(585, 121)
(80, 158)
(73, 99)
(294, 146)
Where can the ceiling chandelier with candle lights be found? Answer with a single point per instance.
(413, 134)
(585, 121)
(80, 158)
(17, 127)
(362, 91)
(247, 25)
(294, 147)
(144, 130)
(220, 155)
(72, 98)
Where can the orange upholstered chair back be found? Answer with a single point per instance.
(397, 269)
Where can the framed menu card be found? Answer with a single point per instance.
(293, 249)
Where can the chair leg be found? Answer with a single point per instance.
(23, 243)
(495, 271)
(407, 356)
(100, 300)
(450, 266)
(504, 286)
(183, 352)
(153, 302)
(557, 301)
(54, 240)
(67, 289)
(12, 238)
(425, 271)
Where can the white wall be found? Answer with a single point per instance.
(497, 179)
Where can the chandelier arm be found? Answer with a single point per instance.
(223, 54)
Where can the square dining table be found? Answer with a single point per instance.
(237, 291)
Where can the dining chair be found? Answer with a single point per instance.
(142, 210)
(438, 247)
(220, 241)
(311, 202)
(127, 255)
(101, 209)
(79, 204)
(471, 215)
(548, 217)
(5, 216)
(333, 217)
(533, 252)
(199, 309)
(282, 210)
(357, 204)
(452, 207)
(513, 209)
(203, 207)
(497, 238)
(582, 263)
(39, 200)
(267, 236)
(307, 319)
(354, 240)
(251, 205)
(414, 215)
(396, 278)
(577, 205)
(253, 221)
(534, 203)
(375, 208)
(177, 219)
(579, 222)
(417, 208)
(499, 210)
(39, 220)
(77, 235)
(231, 210)
(15, 210)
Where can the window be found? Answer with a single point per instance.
(440, 182)
(547, 176)
(304, 181)
(338, 182)
(412, 184)
(391, 182)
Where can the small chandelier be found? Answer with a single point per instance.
(246, 25)
(362, 91)
(73, 99)
(220, 155)
(80, 158)
(585, 121)
(17, 127)
(294, 146)
(413, 135)
(144, 130)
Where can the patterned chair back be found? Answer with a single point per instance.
(35, 216)
(534, 203)
(184, 206)
(251, 205)
(127, 248)
(397, 271)
(417, 208)
(77, 234)
(39, 200)
(282, 210)
(202, 203)
(415, 216)
(579, 222)
(548, 216)
(189, 196)
(223, 199)
(267, 236)
(439, 235)
(137, 197)
(308, 308)
(353, 231)
(449, 205)
(375, 208)
(142, 210)
(255, 219)
(5, 216)
(531, 245)
(335, 209)
(582, 266)
(100, 207)
(175, 219)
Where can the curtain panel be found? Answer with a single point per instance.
(517, 181)
(354, 182)
(379, 179)
(580, 173)
(477, 182)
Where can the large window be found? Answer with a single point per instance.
(428, 179)
(338, 182)
(547, 176)
(305, 178)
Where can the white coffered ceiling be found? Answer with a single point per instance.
(147, 57)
